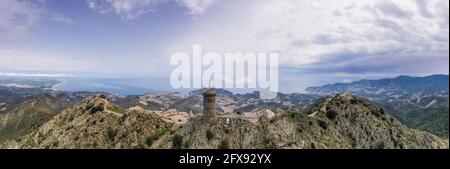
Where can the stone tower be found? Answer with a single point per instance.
(209, 105)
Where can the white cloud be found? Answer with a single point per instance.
(128, 9)
(196, 7)
(62, 19)
(132, 9)
(17, 18)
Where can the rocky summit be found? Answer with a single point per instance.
(340, 122)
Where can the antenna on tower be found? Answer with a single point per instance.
(209, 89)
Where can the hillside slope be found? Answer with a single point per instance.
(431, 114)
(418, 102)
(30, 115)
(97, 123)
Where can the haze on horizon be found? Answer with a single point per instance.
(319, 42)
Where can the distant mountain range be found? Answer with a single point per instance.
(402, 87)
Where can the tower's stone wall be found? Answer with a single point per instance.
(209, 105)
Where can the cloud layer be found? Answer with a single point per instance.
(132, 9)
(34, 75)
(347, 36)
(363, 37)
(320, 37)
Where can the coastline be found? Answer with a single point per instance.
(55, 87)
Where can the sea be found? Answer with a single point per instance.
(116, 86)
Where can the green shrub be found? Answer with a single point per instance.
(89, 106)
(187, 144)
(323, 124)
(292, 114)
(158, 134)
(111, 134)
(209, 135)
(268, 143)
(177, 141)
(149, 141)
(331, 114)
(227, 131)
(225, 144)
(98, 108)
(376, 113)
(382, 111)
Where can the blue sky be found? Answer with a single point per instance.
(319, 41)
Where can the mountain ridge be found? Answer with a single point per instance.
(399, 87)
(341, 122)
(354, 124)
